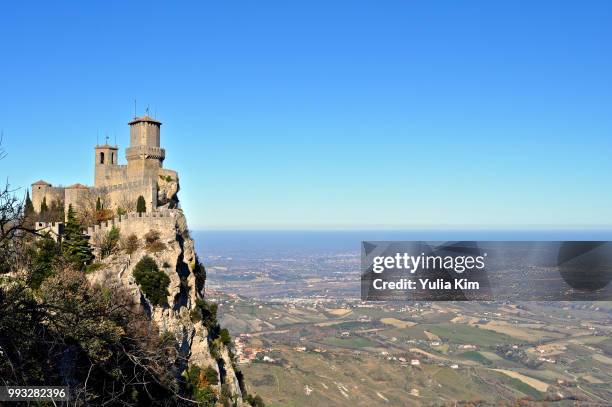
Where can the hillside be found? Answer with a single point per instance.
(166, 241)
(132, 327)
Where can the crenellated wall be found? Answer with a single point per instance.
(121, 194)
(139, 223)
(54, 229)
(118, 195)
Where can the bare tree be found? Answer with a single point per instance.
(126, 205)
(13, 225)
(93, 208)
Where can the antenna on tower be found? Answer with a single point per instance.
(135, 109)
(147, 111)
(115, 139)
(97, 136)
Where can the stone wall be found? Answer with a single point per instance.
(110, 175)
(139, 224)
(119, 195)
(54, 229)
(75, 197)
(43, 191)
(125, 195)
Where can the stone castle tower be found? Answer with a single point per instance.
(145, 157)
(120, 185)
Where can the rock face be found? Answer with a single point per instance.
(167, 191)
(177, 258)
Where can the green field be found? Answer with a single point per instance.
(475, 356)
(466, 334)
(350, 342)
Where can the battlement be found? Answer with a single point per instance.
(134, 185)
(138, 223)
(55, 229)
(151, 152)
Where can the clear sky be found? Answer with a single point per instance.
(326, 114)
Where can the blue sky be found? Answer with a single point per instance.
(326, 114)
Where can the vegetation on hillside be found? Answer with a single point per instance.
(130, 243)
(152, 281)
(75, 245)
(44, 253)
(110, 242)
(153, 244)
(57, 329)
(200, 384)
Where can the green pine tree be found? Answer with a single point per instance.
(98, 204)
(29, 206)
(141, 205)
(75, 245)
(29, 213)
(44, 253)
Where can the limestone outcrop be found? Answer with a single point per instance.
(175, 255)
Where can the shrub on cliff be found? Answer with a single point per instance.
(200, 275)
(152, 242)
(256, 401)
(211, 375)
(110, 242)
(201, 377)
(130, 244)
(225, 337)
(199, 387)
(206, 312)
(153, 282)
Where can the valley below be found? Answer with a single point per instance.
(302, 336)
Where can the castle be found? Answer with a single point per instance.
(118, 187)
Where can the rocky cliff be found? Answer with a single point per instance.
(169, 244)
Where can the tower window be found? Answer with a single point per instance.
(112, 158)
(101, 158)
